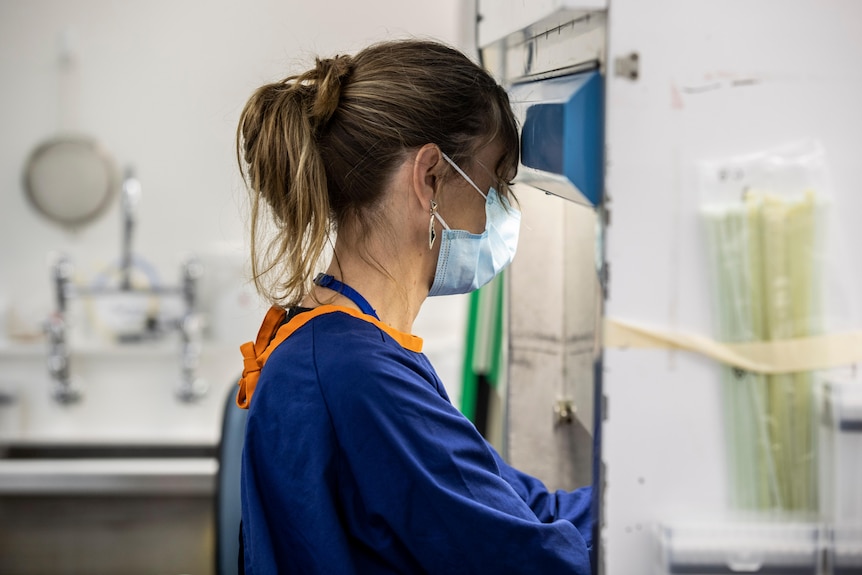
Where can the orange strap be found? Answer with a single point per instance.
(270, 336)
(252, 350)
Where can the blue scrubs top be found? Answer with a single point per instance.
(356, 462)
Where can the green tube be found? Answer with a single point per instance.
(469, 383)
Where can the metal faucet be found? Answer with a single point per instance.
(192, 387)
(190, 325)
(58, 351)
(131, 195)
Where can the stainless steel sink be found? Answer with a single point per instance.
(107, 508)
(104, 451)
(106, 469)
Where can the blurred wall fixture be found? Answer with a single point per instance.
(126, 296)
(70, 180)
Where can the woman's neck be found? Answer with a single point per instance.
(396, 296)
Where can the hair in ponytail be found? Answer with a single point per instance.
(317, 148)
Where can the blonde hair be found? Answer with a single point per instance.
(316, 149)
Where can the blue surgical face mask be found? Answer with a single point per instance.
(468, 261)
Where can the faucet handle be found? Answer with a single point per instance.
(193, 270)
(131, 192)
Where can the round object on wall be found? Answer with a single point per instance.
(70, 180)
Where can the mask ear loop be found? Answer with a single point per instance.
(432, 233)
(464, 175)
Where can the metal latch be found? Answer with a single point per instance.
(564, 410)
(627, 66)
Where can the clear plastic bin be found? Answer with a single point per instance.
(841, 454)
(841, 476)
(845, 551)
(737, 547)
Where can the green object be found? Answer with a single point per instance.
(483, 348)
(469, 382)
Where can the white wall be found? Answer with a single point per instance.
(160, 85)
(717, 79)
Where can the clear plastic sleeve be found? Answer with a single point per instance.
(765, 216)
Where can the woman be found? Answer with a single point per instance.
(355, 461)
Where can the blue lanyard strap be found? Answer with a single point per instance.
(329, 282)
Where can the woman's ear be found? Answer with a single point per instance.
(427, 172)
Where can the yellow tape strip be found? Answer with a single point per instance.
(771, 357)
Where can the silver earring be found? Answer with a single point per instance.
(432, 234)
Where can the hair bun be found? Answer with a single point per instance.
(331, 75)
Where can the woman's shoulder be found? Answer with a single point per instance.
(355, 355)
(310, 330)
(341, 342)
(348, 337)
(344, 355)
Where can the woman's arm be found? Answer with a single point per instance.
(571, 506)
(426, 488)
